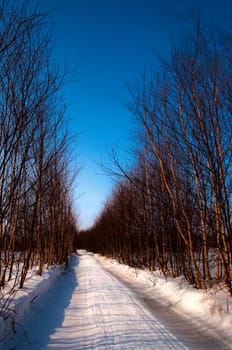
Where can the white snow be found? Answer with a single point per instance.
(88, 308)
(35, 289)
(211, 308)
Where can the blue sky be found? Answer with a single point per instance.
(109, 42)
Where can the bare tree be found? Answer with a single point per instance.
(179, 191)
(34, 172)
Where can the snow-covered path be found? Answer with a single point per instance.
(91, 309)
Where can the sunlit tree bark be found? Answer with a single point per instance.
(33, 150)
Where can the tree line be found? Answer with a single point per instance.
(37, 223)
(171, 210)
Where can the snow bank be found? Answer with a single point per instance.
(34, 291)
(212, 308)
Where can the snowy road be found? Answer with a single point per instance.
(92, 309)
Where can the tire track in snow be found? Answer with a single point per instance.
(194, 336)
(118, 319)
(91, 309)
(136, 307)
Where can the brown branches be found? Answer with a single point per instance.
(36, 220)
(174, 206)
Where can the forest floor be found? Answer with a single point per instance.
(98, 303)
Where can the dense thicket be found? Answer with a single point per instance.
(36, 220)
(172, 211)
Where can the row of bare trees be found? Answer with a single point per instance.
(37, 224)
(172, 210)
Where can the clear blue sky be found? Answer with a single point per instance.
(109, 41)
